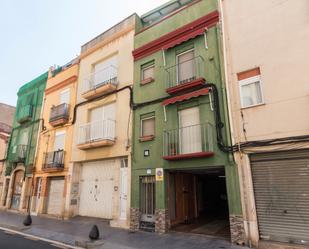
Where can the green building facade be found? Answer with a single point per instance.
(181, 175)
(23, 142)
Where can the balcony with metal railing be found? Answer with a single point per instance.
(24, 113)
(59, 115)
(53, 161)
(189, 74)
(18, 153)
(97, 134)
(100, 82)
(188, 142)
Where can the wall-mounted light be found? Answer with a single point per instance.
(146, 153)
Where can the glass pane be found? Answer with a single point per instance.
(96, 114)
(251, 94)
(148, 127)
(105, 71)
(186, 67)
(59, 142)
(148, 72)
(109, 112)
(190, 131)
(65, 97)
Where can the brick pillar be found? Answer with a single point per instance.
(238, 235)
(162, 220)
(135, 215)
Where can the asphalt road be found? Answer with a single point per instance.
(14, 241)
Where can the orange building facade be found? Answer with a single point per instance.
(52, 168)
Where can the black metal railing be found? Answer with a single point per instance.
(190, 139)
(54, 160)
(185, 72)
(59, 112)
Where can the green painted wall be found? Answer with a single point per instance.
(29, 94)
(213, 74)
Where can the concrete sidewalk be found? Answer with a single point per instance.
(75, 232)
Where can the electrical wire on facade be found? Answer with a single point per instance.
(218, 121)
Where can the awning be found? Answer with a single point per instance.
(177, 36)
(186, 96)
(184, 38)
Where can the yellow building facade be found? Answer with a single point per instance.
(101, 152)
(53, 157)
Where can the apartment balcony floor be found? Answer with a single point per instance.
(188, 156)
(95, 144)
(99, 90)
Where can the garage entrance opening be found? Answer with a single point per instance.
(198, 202)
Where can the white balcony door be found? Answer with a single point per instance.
(190, 131)
(105, 71)
(59, 144)
(185, 67)
(99, 117)
(59, 140)
(65, 96)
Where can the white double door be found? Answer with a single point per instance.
(97, 189)
(101, 126)
(105, 71)
(190, 131)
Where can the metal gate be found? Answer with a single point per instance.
(281, 188)
(147, 202)
(55, 195)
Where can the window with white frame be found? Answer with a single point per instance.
(185, 67)
(148, 126)
(148, 72)
(251, 91)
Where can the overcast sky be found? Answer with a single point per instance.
(36, 34)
